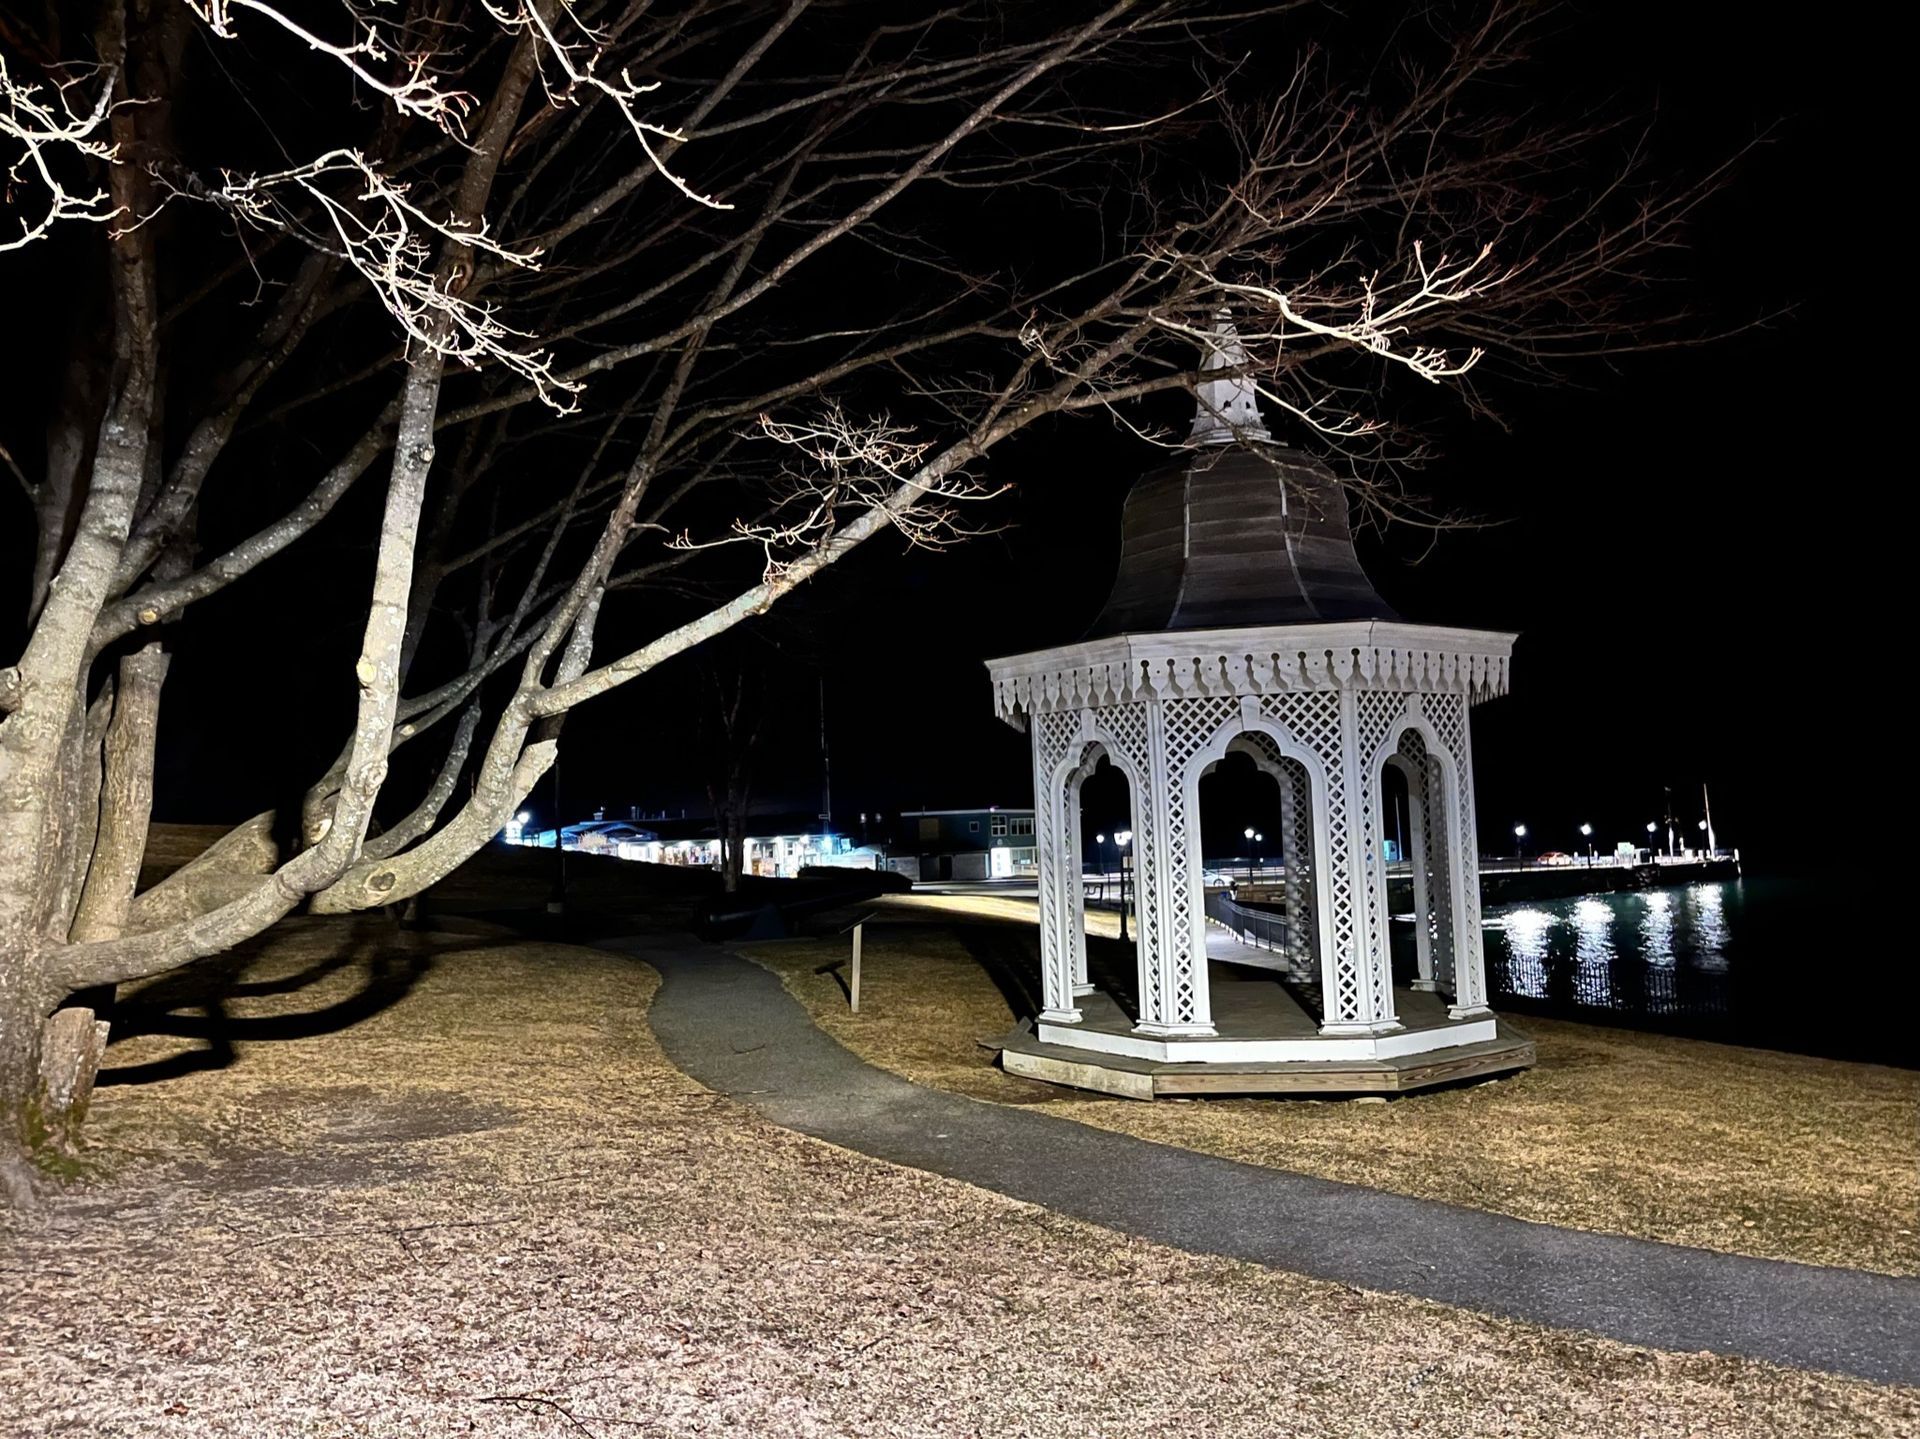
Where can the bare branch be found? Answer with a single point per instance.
(46, 126)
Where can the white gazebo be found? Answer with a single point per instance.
(1242, 622)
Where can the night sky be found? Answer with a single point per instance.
(1676, 539)
(1678, 544)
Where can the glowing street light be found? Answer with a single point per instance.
(1519, 835)
(1121, 839)
(1586, 833)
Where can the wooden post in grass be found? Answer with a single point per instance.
(852, 984)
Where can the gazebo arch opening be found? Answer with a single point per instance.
(1106, 828)
(1272, 914)
(1085, 823)
(1239, 818)
(1418, 821)
(1404, 912)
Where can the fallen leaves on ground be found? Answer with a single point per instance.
(447, 1184)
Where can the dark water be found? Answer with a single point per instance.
(1769, 962)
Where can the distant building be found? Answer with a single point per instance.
(777, 849)
(990, 843)
(594, 836)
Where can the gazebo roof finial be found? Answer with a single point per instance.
(1229, 409)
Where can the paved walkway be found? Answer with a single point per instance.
(732, 1026)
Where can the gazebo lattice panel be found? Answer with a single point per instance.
(1314, 721)
(1055, 737)
(1191, 725)
(1297, 853)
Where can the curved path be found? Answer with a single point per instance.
(731, 1025)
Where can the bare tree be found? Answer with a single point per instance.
(737, 721)
(670, 308)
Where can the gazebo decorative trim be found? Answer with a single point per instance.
(1267, 660)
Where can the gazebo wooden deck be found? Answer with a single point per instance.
(1252, 1005)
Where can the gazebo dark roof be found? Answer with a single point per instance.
(1229, 536)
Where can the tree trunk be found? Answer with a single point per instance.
(80, 776)
(70, 436)
(125, 799)
(22, 1008)
(229, 866)
(74, 1039)
(736, 844)
(730, 857)
(72, 1044)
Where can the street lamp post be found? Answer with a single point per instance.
(1652, 829)
(1586, 833)
(1100, 853)
(1519, 842)
(1248, 832)
(557, 897)
(1708, 852)
(1121, 839)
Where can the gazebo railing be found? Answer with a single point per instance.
(1257, 927)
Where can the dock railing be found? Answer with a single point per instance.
(1257, 927)
(1641, 859)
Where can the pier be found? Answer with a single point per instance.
(1506, 880)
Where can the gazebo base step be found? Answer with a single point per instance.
(1131, 1078)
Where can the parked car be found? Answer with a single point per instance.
(1553, 856)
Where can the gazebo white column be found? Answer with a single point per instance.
(1296, 856)
(1167, 869)
(1469, 949)
(1360, 999)
(1059, 920)
(1443, 866)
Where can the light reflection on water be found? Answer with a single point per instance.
(1708, 908)
(1656, 929)
(1660, 952)
(1732, 961)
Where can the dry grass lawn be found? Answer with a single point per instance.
(1684, 1141)
(447, 1185)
